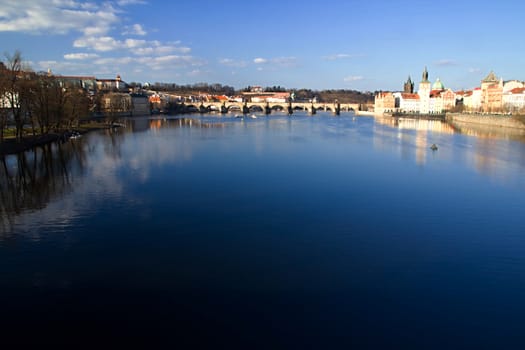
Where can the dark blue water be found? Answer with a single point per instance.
(270, 232)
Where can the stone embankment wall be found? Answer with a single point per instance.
(486, 119)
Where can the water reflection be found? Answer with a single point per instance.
(488, 132)
(337, 218)
(417, 124)
(493, 151)
(31, 180)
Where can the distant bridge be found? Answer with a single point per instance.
(268, 107)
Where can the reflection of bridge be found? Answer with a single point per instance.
(268, 107)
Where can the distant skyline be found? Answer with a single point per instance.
(359, 45)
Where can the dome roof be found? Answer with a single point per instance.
(438, 85)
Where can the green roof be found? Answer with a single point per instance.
(438, 85)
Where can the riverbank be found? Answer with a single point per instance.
(365, 113)
(505, 121)
(11, 146)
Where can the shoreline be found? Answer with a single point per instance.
(10, 146)
(487, 120)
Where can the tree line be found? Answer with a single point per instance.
(187, 89)
(38, 100)
(342, 95)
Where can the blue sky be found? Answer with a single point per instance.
(362, 45)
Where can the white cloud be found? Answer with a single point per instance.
(104, 43)
(80, 56)
(135, 29)
(108, 44)
(74, 67)
(353, 78)
(131, 2)
(57, 17)
(285, 61)
(149, 63)
(133, 43)
(340, 56)
(233, 63)
(157, 48)
(194, 73)
(135, 46)
(445, 62)
(277, 62)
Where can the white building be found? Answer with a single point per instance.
(512, 84)
(407, 103)
(514, 100)
(472, 100)
(424, 93)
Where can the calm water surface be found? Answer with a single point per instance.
(269, 232)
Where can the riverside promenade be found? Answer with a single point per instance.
(494, 120)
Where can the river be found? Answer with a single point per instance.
(267, 232)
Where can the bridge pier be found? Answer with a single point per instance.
(245, 108)
(267, 109)
(290, 108)
(337, 108)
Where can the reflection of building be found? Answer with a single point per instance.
(418, 124)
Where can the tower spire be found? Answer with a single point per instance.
(409, 86)
(425, 75)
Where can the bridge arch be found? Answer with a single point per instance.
(233, 107)
(255, 108)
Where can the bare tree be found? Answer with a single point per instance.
(3, 102)
(77, 106)
(15, 93)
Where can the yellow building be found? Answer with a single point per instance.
(491, 93)
(384, 102)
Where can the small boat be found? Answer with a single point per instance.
(434, 147)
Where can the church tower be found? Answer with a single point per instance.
(424, 93)
(409, 86)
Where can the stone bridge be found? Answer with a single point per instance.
(268, 107)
